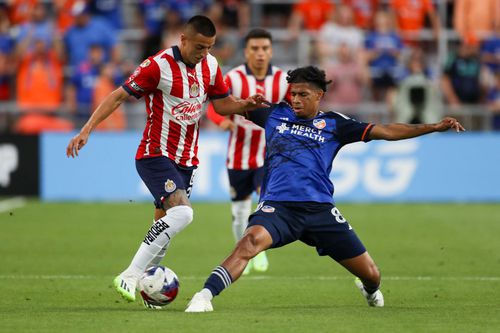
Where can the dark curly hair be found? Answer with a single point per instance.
(308, 74)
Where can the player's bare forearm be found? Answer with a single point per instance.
(234, 105)
(102, 112)
(393, 132)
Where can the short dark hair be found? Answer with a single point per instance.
(258, 33)
(202, 25)
(309, 74)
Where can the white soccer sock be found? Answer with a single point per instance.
(158, 258)
(241, 211)
(158, 237)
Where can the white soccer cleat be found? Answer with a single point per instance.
(260, 262)
(199, 303)
(125, 285)
(376, 299)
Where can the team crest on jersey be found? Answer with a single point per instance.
(267, 209)
(319, 123)
(145, 63)
(170, 186)
(194, 89)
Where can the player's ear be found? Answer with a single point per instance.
(183, 39)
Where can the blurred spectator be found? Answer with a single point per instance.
(190, 8)
(349, 77)
(64, 17)
(383, 50)
(109, 10)
(461, 80)
(39, 86)
(39, 27)
(477, 17)
(6, 49)
(417, 99)
(490, 51)
(310, 15)
(87, 31)
(226, 44)
(232, 14)
(20, 11)
(172, 30)
(105, 83)
(334, 34)
(152, 14)
(364, 11)
(410, 15)
(493, 100)
(39, 78)
(80, 89)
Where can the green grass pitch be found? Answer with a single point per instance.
(440, 265)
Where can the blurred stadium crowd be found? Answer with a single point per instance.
(390, 60)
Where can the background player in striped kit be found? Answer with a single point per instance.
(176, 84)
(246, 148)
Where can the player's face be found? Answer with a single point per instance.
(305, 99)
(195, 47)
(258, 53)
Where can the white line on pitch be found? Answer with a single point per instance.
(11, 204)
(263, 277)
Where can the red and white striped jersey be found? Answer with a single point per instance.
(246, 148)
(175, 95)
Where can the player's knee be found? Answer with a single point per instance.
(179, 217)
(248, 245)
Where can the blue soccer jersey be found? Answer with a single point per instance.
(300, 152)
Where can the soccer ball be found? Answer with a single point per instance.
(159, 285)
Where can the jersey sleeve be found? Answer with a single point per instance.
(219, 89)
(259, 116)
(145, 79)
(350, 130)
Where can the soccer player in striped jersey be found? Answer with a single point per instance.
(177, 84)
(296, 201)
(246, 148)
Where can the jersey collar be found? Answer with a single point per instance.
(249, 71)
(178, 56)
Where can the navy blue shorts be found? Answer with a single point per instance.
(244, 182)
(162, 177)
(316, 224)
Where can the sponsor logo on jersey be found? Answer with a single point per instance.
(135, 73)
(170, 186)
(145, 63)
(282, 128)
(156, 231)
(268, 209)
(319, 123)
(187, 111)
(135, 86)
(308, 132)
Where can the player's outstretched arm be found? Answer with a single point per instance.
(110, 104)
(406, 131)
(233, 105)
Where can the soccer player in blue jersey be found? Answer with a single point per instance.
(296, 201)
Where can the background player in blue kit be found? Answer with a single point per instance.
(296, 201)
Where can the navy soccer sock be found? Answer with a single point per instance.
(370, 290)
(218, 280)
